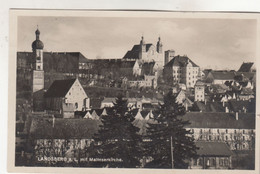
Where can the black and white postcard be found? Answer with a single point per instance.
(145, 92)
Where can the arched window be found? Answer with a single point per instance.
(76, 105)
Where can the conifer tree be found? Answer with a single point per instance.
(118, 138)
(169, 129)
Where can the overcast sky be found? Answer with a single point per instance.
(210, 43)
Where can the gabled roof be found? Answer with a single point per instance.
(180, 61)
(134, 52)
(59, 88)
(213, 149)
(246, 67)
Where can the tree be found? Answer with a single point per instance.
(118, 138)
(169, 129)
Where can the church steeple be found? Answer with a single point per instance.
(37, 62)
(142, 45)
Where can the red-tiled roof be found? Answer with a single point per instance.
(59, 88)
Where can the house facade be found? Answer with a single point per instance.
(212, 155)
(181, 70)
(67, 93)
(237, 130)
(220, 77)
(199, 91)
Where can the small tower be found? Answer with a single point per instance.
(142, 49)
(199, 91)
(159, 46)
(37, 63)
(168, 55)
(142, 45)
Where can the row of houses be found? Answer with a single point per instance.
(217, 135)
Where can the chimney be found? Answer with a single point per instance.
(53, 121)
(236, 115)
(127, 94)
(227, 110)
(186, 106)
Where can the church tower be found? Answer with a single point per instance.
(160, 58)
(37, 63)
(142, 49)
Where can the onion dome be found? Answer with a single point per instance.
(37, 44)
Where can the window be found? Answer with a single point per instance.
(38, 67)
(76, 105)
(243, 138)
(226, 131)
(221, 162)
(226, 162)
(195, 162)
(226, 137)
(200, 161)
(213, 162)
(217, 130)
